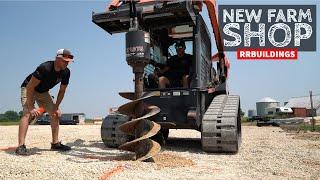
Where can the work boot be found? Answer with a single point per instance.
(60, 147)
(22, 150)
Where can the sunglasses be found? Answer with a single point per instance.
(68, 56)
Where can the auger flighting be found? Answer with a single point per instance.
(138, 56)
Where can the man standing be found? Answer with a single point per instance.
(35, 88)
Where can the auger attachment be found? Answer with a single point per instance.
(140, 126)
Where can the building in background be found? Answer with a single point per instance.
(301, 106)
(252, 113)
(68, 118)
(72, 118)
(279, 112)
(97, 120)
(264, 104)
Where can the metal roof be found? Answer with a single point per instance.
(267, 99)
(304, 102)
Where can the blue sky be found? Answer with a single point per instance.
(31, 33)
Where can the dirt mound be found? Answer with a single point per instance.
(170, 160)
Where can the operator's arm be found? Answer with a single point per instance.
(166, 68)
(156, 64)
(30, 95)
(159, 72)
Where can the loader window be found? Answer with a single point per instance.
(189, 49)
(176, 69)
(165, 61)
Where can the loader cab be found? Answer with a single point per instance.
(198, 45)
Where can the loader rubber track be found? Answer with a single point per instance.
(111, 135)
(221, 128)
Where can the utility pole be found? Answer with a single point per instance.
(312, 119)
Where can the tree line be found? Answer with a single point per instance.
(11, 116)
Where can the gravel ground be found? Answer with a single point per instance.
(266, 153)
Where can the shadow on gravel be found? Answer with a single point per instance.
(183, 145)
(92, 151)
(31, 151)
(95, 151)
(192, 145)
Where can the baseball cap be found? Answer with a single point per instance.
(180, 44)
(65, 54)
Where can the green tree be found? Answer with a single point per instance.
(20, 114)
(11, 115)
(241, 113)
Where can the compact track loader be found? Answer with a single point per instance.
(151, 29)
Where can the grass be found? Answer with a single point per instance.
(9, 123)
(88, 121)
(245, 122)
(308, 127)
(244, 119)
(300, 128)
(254, 123)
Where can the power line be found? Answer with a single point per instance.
(313, 95)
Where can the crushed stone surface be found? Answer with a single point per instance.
(265, 153)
